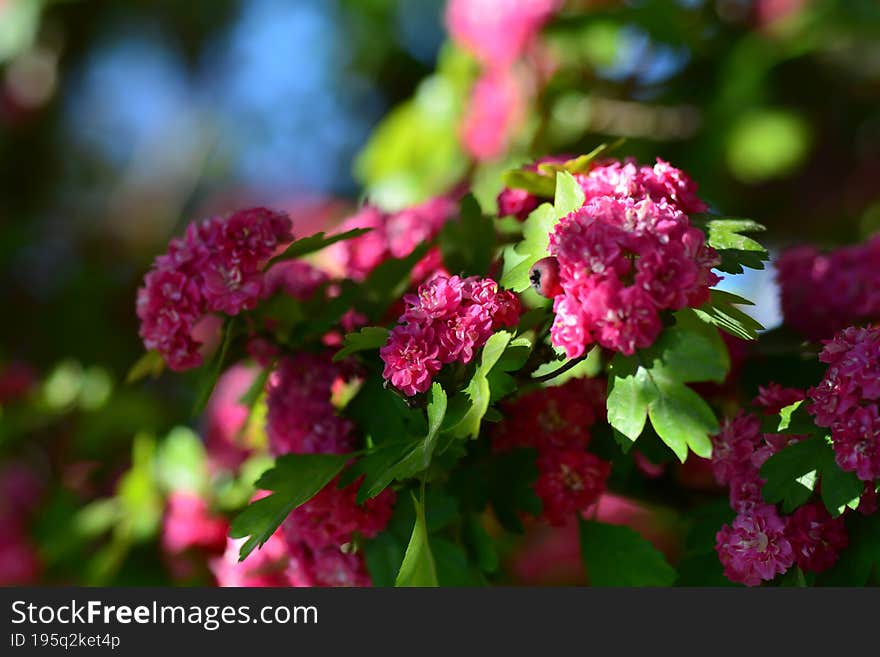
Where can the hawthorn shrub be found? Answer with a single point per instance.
(463, 374)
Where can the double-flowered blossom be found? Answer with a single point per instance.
(626, 179)
(621, 263)
(816, 537)
(318, 536)
(754, 547)
(555, 421)
(447, 321)
(216, 267)
(760, 543)
(846, 400)
(301, 418)
(822, 293)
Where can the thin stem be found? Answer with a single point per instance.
(562, 370)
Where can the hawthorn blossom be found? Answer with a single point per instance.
(754, 547)
(846, 400)
(622, 262)
(446, 321)
(217, 266)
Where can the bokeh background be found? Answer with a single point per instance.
(120, 122)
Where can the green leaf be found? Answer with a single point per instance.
(367, 339)
(539, 184)
(736, 250)
(682, 419)
(840, 490)
(150, 364)
(402, 460)
(790, 473)
(293, 481)
(651, 385)
(536, 232)
(211, 373)
(478, 390)
(418, 568)
(630, 392)
(721, 312)
(511, 477)
(569, 195)
(468, 245)
(615, 555)
(690, 351)
(727, 234)
(313, 243)
(480, 544)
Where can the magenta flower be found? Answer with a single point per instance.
(754, 548)
(816, 537)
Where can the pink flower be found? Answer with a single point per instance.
(225, 418)
(267, 566)
(329, 567)
(846, 400)
(295, 278)
(733, 447)
(189, 524)
(821, 293)
(622, 260)
(497, 32)
(774, 397)
(393, 235)
(570, 481)
(215, 267)
(496, 109)
(816, 537)
(446, 321)
(754, 548)
(300, 417)
(412, 358)
(332, 518)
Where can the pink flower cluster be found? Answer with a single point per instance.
(555, 421)
(846, 400)
(497, 32)
(188, 524)
(392, 235)
(496, 108)
(760, 543)
(315, 546)
(822, 293)
(320, 534)
(621, 263)
(217, 267)
(447, 321)
(301, 418)
(660, 182)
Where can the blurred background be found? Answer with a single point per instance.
(120, 122)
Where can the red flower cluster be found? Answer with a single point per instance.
(446, 321)
(216, 267)
(20, 492)
(555, 421)
(823, 293)
(846, 400)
